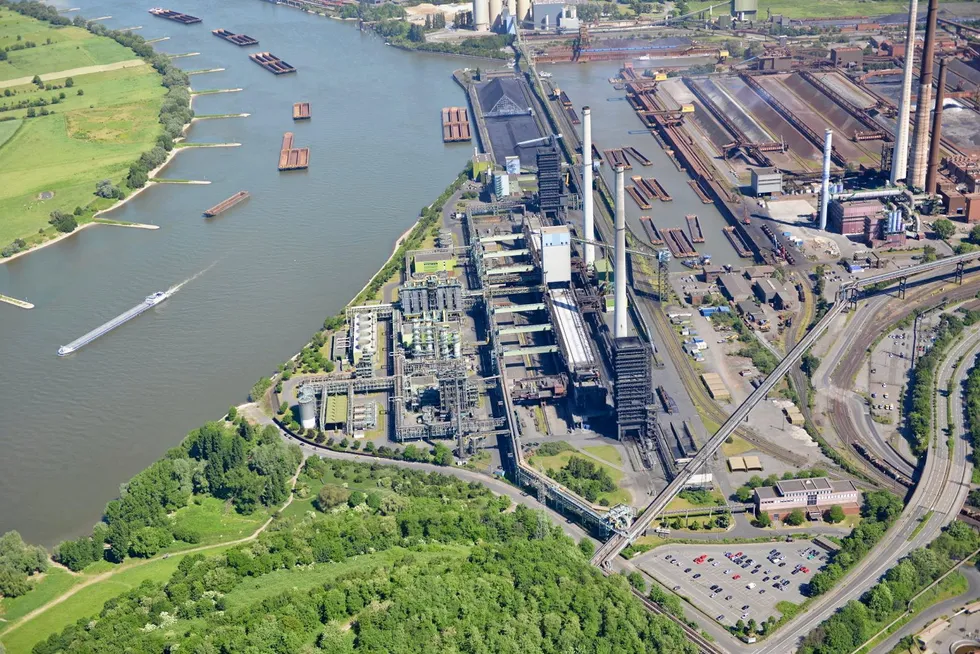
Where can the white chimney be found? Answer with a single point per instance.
(900, 155)
(828, 147)
(589, 226)
(619, 273)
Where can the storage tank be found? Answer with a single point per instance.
(523, 10)
(481, 15)
(307, 407)
(496, 7)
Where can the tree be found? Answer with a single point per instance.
(232, 413)
(723, 521)
(137, 177)
(69, 82)
(416, 34)
(835, 514)
(586, 547)
(636, 580)
(795, 518)
(762, 520)
(944, 228)
(37, 81)
(31, 113)
(80, 92)
(880, 600)
(356, 499)
(744, 494)
(63, 222)
(809, 364)
(330, 496)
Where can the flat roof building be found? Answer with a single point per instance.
(813, 496)
(766, 181)
(735, 287)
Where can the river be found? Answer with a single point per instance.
(73, 428)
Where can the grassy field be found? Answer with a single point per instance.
(89, 137)
(680, 503)
(216, 521)
(737, 447)
(558, 461)
(607, 453)
(55, 582)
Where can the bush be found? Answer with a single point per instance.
(795, 518)
(331, 496)
(63, 222)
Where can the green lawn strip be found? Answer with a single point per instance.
(607, 453)
(215, 521)
(681, 503)
(558, 461)
(918, 527)
(55, 582)
(254, 590)
(7, 129)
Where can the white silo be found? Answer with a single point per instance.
(523, 11)
(496, 7)
(307, 407)
(481, 15)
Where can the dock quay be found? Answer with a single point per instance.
(679, 244)
(225, 205)
(640, 159)
(696, 186)
(455, 125)
(641, 202)
(291, 158)
(651, 231)
(238, 39)
(661, 191)
(694, 227)
(301, 111)
(617, 157)
(271, 63)
(736, 240)
(176, 16)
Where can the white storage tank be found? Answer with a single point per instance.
(307, 407)
(481, 15)
(523, 11)
(496, 7)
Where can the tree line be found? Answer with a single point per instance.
(451, 569)
(973, 422)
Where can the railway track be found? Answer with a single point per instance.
(704, 645)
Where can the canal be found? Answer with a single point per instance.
(74, 428)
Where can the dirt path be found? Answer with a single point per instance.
(123, 568)
(73, 72)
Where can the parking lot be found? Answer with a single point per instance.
(674, 566)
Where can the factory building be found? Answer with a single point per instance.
(556, 255)
(850, 218)
(364, 341)
(814, 496)
(434, 262)
(551, 15)
(431, 294)
(960, 205)
(501, 184)
(549, 181)
(633, 387)
(734, 287)
(745, 9)
(846, 56)
(766, 181)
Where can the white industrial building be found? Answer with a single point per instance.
(556, 254)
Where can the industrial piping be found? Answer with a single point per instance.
(589, 226)
(937, 129)
(900, 155)
(619, 272)
(923, 103)
(828, 147)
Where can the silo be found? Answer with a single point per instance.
(307, 407)
(496, 7)
(523, 11)
(481, 15)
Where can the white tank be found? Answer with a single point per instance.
(307, 407)
(496, 7)
(523, 10)
(481, 15)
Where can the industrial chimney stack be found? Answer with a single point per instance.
(619, 273)
(937, 129)
(900, 155)
(589, 226)
(923, 105)
(828, 147)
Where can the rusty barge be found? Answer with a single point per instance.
(640, 159)
(660, 190)
(694, 228)
(272, 63)
(455, 125)
(617, 157)
(641, 202)
(238, 39)
(679, 244)
(301, 111)
(176, 16)
(291, 158)
(225, 205)
(651, 231)
(737, 242)
(700, 192)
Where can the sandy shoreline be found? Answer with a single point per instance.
(398, 243)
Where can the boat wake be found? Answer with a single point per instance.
(176, 287)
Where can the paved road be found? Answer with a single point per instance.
(74, 72)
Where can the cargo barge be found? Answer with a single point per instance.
(455, 125)
(694, 228)
(596, 157)
(225, 205)
(651, 231)
(301, 111)
(679, 244)
(564, 99)
(271, 63)
(572, 116)
(737, 242)
(238, 39)
(150, 302)
(640, 201)
(660, 190)
(616, 157)
(696, 186)
(640, 159)
(176, 16)
(291, 158)
(647, 187)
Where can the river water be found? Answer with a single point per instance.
(73, 428)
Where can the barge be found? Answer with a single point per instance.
(238, 39)
(651, 231)
(699, 191)
(616, 158)
(640, 201)
(737, 242)
(301, 111)
(150, 302)
(291, 158)
(225, 205)
(572, 116)
(176, 16)
(661, 191)
(694, 228)
(679, 244)
(455, 125)
(272, 63)
(640, 159)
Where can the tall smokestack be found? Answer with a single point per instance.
(619, 273)
(920, 137)
(828, 147)
(900, 155)
(589, 226)
(937, 130)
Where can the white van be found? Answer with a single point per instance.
(750, 586)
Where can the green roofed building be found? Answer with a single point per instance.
(434, 262)
(336, 412)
